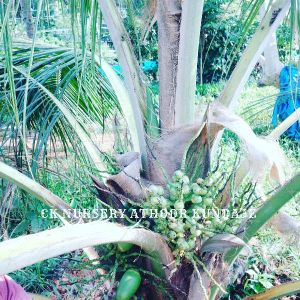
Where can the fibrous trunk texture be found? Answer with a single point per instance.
(168, 20)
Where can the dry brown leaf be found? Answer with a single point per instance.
(264, 155)
(128, 181)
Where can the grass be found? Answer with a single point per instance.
(277, 258)
(256, 107)
(69, 276)
(272, 262)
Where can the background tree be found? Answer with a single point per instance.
(26, 13)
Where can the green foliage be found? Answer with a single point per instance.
(283, 35)
(255, 279)
(292, 151)
(20, 213)
(135, 19)
(65, 276)
(70, 184)
(265, 213)
(258, 281)
(220, 44)
(209, 89)
(39, 278)
(72, 80)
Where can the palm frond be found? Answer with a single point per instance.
(54, 74)
(27, 250)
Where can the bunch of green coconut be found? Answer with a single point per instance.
(182, 217)
(184, 207)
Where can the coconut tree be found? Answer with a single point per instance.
(172, 162)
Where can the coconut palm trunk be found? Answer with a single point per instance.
(179, 26)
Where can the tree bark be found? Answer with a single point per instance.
(168, 20)
(270, 63)
(26, 14)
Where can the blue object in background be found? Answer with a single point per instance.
(149, 66)
(288, 100)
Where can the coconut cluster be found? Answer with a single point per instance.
(185, 230)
